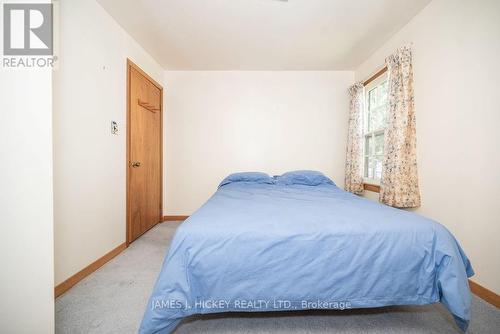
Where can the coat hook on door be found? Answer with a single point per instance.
(147, 106)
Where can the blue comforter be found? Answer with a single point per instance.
(266, 247)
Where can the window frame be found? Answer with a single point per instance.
(371, 184)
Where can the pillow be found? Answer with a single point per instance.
(305, 177)
(253, 177)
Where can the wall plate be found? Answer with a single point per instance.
(114, 128)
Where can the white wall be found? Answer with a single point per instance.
(457, 68)
(26, 217)
(217, 123)
(89, 165)
(220, 122)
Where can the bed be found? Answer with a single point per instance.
(276, 244)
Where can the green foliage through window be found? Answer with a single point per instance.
(374, 126)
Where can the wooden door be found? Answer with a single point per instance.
(144, 152)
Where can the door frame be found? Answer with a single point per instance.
(131, 65)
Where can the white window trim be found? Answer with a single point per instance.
(368, 87)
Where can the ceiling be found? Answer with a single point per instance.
(261, 34)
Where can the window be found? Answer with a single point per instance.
(374, 124)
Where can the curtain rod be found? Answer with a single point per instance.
(375, 76)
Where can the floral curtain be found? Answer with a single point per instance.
(399, 183)
(354, 159)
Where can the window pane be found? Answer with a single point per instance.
(377, 161)
(366, 119)
(368, 145)
(383, 93)
(379, 144)
(369, 167)
(377, 118)
(373, 98)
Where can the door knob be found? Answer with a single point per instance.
(135, 164)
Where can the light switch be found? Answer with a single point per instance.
(114, 128)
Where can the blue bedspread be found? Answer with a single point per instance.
(266, 247)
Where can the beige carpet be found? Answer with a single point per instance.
(113, 299)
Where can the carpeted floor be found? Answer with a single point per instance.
(113, 299)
